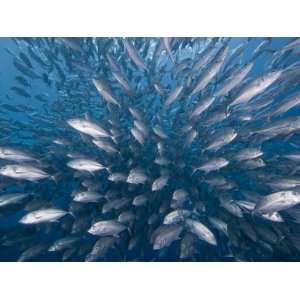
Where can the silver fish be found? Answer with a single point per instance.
(287, 105)
(117, 177)
(213, 165)
(88, 127)
(12, 198)
(174, 95)
(201, 231)
(123, 81)
(221, 139)
(210, 73)
(248, 153)
(160, 183)
(176, 216)
(277, 201)
(219, 225)
(107, 146)
(138, 135)
(43, 216)
(87, 165)
(64, 243)
(167, 236)
(32, 252)
(86, 197)
(100, 248)
(134, 55)
(140, 200)
(107, 96)
(255, 87)
(234, 80)
(159, 132)
(137, 176)
(107, 228)
(15, 155)
(202, 106)
(24, 172)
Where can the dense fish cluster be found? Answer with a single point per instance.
(151, 149)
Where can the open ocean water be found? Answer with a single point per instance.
(149, 149)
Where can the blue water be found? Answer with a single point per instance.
(35, 129)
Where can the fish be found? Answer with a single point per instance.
(201, 231)
(140, 200)
(159, 132)
(137, 176)
(201, 107)
(234, 80)
(43, 216)
(88, 127)
(210, 72)
(167, 235)
(287, 105)
(87, 165)
(71, 43)
(293, 156)
(248, 153)
(167, 44)
(24, 172)
(117, 177)
(219, 224)
(174, 95)
(284, 183)
(106, 146)
(213, 165)
(115, 204)
(291, 45)
(159, 183)
(107, 96)
(32, 252)
(179, 197)
(64, 243)
(107, 228)
(134, 55)
(221, 139)
(15, 155)
(138, 135)
(100, 248)
(126, 217)
(13, 198)
(123, 82)
(233, 208)
(176, 216)
(255, 87)
(187, 247)
(85, 197)
(278, 201)
(274, 217)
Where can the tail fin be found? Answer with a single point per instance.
(55, 178)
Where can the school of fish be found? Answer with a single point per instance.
(151, 149)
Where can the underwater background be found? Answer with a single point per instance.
(149, 149)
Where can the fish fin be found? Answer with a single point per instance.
(71, 214)
(55, 178)
(108, 169)
(129, 231)
(87, 116)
